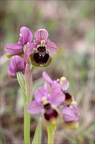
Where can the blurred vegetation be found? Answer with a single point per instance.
(71, 24)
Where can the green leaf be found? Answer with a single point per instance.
(38, 134)
(21, 81)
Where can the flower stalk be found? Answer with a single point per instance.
(26, 123)
(51, 129)
(26, 86)
(26, 100)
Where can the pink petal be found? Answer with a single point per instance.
(57, 98)
(56, 87)
(68, 114)
(47, 86)
(52, 48)
(41, 34)
(37, 41)
(17, 63)
(34, 108)
(11, 73)
(65, 85)
(26, 35)
(13, 49)
(28, 51)
(76, 111)
(30, 48)
(46, 77)
(40, 93)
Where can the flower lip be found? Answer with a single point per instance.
(41, 53)
(67, 95)
(40, 56)
(41, 49)
(50, 112)
(46, 106)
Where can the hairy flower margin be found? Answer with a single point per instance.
(53, 101)
(38, 53)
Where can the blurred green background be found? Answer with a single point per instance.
(71, 25)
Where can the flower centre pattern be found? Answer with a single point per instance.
(41, 56)
(50, 113)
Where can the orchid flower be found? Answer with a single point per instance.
(41, 51)
(61, 84)
(17, 48)
(70, 116)
(50, 84)
(46, 103)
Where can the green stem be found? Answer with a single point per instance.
(26, 124)
(50, 138)
(25, 85)
(51, 130)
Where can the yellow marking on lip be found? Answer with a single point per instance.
(62, 79)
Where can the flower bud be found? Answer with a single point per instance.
(16, 65)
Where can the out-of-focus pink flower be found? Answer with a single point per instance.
(61, 84)
(42, 49)
(46, 103)
(16, 65)
(51, 85)
(17, 48)
(70, 113)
